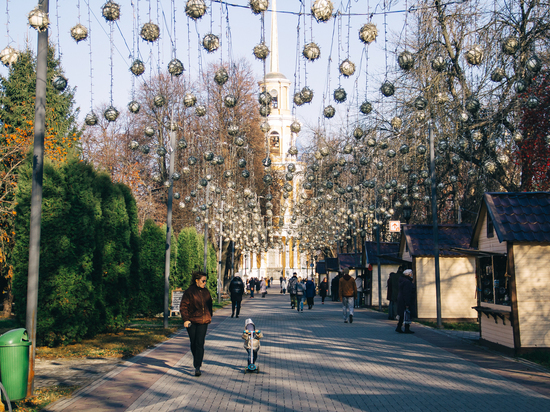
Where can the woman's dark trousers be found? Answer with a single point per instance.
(197, 334)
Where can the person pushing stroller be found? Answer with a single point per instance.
(251, 338)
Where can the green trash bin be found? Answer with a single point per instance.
(14, 362)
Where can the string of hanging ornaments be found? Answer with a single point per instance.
(8, 55)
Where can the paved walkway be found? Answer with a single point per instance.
(312, 361)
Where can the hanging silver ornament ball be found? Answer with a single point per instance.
(371, 142)
(472, 104)
(149, 131)
(421, 149)
(404, 149)
(438, 63)
(156, 177)
(307, 94)
(258, 6)
(177, 196)
(380, 166)
(533, 64)
(358, 133)
(242, 162)
(133, 107)
(532, 102)
(363, 161)
(391, 153)
(192, 161)
(295, 127)
(498, 74)
(111, 11)
(189, 100)
(195, 9)
(288, 187)
(145, 149)
(503, 159)
(490, 166)
(517, 137)
(265, 110)
(208, 156)
(38, 19)
(347, 68)
(245, 173)
(134, 145)
(137, 68)
(59, 83)
(233, 129)
(267, 179)
(383, 144)
(176, 176)
(329, 112)
(477, 136)
(210, 42)
(175, 67)
(510, 45)
(266, 162)
(230, 101)
(79, 32)
(293, 150)
(298, 101)
(289, 177)
(161, 151)
(159, 100)
(420, 103)
(200, 110)
(387, 89)
(111, 114)
(442, 146)
(441, 98)
(291, 167)
(227, 174)
(9, 56)
(322, 10)
(265, 98)
(368, 33)
(221, 76)
(520, 86)
(405, 60)
(182, 144)
(91, 119)
(239, 141)
(150, 32)
(464, 116)
(396, 123)
(547, 139)
(366, 107)
(474, 56)
(340, 95)
(265, 127)
(456, 159)
(324, 151)
(261, 51)
(311, 51)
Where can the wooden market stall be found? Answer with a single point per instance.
(457, 270)
(389, 262)
(512, 234)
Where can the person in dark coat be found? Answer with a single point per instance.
(393, 292)
(323, 290)
(236, 289)
(196, 312)
(251, 286)
(258, 284)
(404, 299)
(310, 292)
(334, 288)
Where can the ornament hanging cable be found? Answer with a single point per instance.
(158, 42)
(8, 21)
(58, 34)
(91, 66)
(297, 67)
(134, 29)
(111, 41)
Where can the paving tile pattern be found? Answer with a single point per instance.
(312, 361)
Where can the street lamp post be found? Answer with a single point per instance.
(169, 229)
(435, 228)
(36, 196)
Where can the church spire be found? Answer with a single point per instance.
(274, 59)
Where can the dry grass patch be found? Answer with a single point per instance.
(43, 397)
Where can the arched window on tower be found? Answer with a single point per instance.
(274, 101)
(274, 142)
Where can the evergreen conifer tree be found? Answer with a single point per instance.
(151, 268)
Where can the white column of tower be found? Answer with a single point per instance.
(274, 52)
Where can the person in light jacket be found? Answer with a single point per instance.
(283, 286)
(300, 295)
(263, 287)
(196, 312)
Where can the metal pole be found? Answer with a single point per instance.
(232, 252)
(220, 277)
(379, 267)
(36, 196)
(206, 233)
(169, 231)
(435, 228)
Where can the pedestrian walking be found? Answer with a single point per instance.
(258, 284)
(310, 292)
(251, 287)
(404, 301)
(300, 295)
(292, 282)
(323, 290)
(334, 288)
(263, 287)
(236, 290)
(359, 284)
(196, 312)
(347, 290)
(283, 286)
(393, 292)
